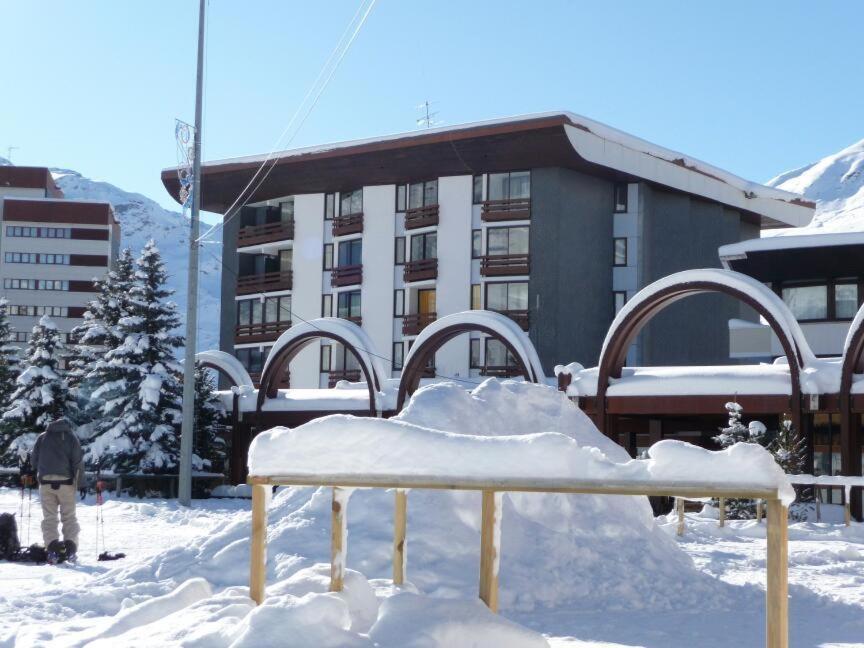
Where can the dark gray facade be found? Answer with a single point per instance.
(230, 271)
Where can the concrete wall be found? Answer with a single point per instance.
(308, 259)
(376, 301)
(570, 289)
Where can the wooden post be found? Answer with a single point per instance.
(490, 552)
(338, 548)
(258, 550)
(722, 511)
(400, 526)
(847, 505)
(818, 492)
(759, 511)
(776, 595)
(679, 504)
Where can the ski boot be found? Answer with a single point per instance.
(56, 552)
(71, 550)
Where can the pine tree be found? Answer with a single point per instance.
(9, 361)
(137, 384)
(790, 453)
(736, 432)
(41, 394)
(208, 446)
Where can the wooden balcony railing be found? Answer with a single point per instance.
(267, 282)
(413, 324)
(506, 210)
(351, 375)
(262, 332)
(509, 371)
(357, 320)
(348, 224)
(346, 275)
(267, 233)
(497, 265)
(421, 217)
(421, 270)
(518, 316)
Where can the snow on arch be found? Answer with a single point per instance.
(501, 324)
(227, 364)
(342, 328)
(857, 324)
(731, 279)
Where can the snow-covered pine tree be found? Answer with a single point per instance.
(139, 390)
(736, 432)
(208, 446)
(41, 394)
(9, 360)
(788, 448)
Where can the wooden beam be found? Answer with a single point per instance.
(338, 546)
(679, 505)
(776, 595)
(758, 511)
(400, 527)
(490, 551)
(722, 512)
(258, 548)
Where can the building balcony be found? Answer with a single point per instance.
(266, 282)
(348, 224)
(498, 265)
(494, 211)
(351, 375)
(421, 217)
(267, 233)
(413, 324)
(509, 371)
(262, 332)
(518, 316)
(421, 270)
(347, 275)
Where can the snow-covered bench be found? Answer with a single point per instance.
(375, 453)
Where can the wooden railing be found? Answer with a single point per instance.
(261, 332)
(267, 233)
(506, 210)
(421, 270)
(413, 324)
(351, 375)
(421, 217)
(776, 595)
(497, 265)
(346, 275)
(348, 224)
(267, 282)
(518, 316)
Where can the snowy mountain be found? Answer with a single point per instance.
(141, 219)
(836, 184)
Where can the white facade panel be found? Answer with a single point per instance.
(376, 301)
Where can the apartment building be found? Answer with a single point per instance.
(51, 250)
(553, 219)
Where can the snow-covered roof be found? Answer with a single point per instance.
(803, 238)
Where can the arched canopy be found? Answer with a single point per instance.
(853, 352)
(652, 299)
(226, 364)
(345, 332)
(853, 362)
(441, 331)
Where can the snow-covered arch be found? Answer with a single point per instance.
(347, 333)
(853, 362)
(439, 332)
(226, 364)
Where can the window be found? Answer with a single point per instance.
(54, 259)
(399, 251)
(398, 303)
(40, 232)
(398, 355)
(510, 186)
(329, 206)
(21, 257)
(620, 197)
(351, 252)
(38, 311)
(424, 246)
(286, 210)
(270, 310)
(326, 305)
(285, 260)
(476, 297)
(474, 354)
(348, 304)
(497, 355)
(252, 359)
(620, 298)
(506, 240)
(845, 300)
(507, 296)
(478, 189)
(807, 302)
(351, 202)
(326, 358)
(52, 284)
(328, 256)
(400, 198)
(619, 252)
(422, 194)
(476, 244)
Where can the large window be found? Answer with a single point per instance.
(348, 304)
(474, 354)
(38, 232)
(507, 296)
(329, 206)
(845, 300)
(36, 284)
(351, 252)
(497, 355)
(351, 202)
(621, 197)
(807, 302)
(619, 251)
(424, 246)
(286, 210)
(422, 194)
(270, 310)
(252, 359)
(510, 186)
(476, 243)
(478, 189)
(506, 240)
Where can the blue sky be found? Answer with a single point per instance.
(754, 87)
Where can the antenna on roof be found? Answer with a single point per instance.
(427, 119)
(9, 150)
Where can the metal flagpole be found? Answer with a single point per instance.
(184, 490)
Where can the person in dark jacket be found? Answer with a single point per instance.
(58, 462)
